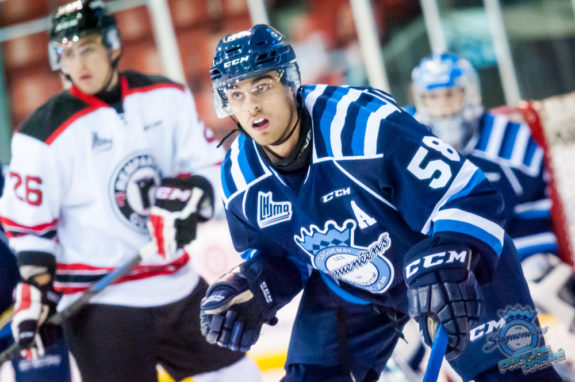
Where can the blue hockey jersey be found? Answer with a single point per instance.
(378, 183)
(513, 162)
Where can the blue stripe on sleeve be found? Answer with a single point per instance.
(470, 230)
(509, 140)
(487, 128)
(358, 139)
(328, 115)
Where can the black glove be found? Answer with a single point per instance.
(179, 205)
(441, 287)
(241, 301)
(34, 305)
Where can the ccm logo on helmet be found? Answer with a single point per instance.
(235, 36)
(171, 193)
(236, 61)
(435, 259)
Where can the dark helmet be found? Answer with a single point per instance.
(245, 54)
(77, 19)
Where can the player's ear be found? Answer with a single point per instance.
(115, 54)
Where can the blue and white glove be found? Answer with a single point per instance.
(443, 289)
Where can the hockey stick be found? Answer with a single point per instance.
(438, 349)
(6, 317)
(144, 253)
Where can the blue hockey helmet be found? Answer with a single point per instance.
(77, 19)
(248, 53)
(447, 71)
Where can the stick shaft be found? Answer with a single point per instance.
(438, 350)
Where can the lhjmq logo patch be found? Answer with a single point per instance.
(131, 189)
(270, 212)
(333, 252)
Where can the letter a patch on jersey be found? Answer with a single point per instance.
(270, 212)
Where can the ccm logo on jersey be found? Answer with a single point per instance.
(236, 61)
(172, 193)
(435, 259)
(335, 194)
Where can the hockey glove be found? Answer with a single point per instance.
(443, 289)
(241, 301)
(180, 204)
(33, 305)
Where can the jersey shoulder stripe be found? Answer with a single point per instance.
(347, 121)
(138, 82)
(502, 140)
(50, 119)
(242, 166)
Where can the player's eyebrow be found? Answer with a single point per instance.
(262, 77)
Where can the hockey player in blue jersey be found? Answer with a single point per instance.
(447, 97)
(340, 186)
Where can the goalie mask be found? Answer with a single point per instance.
(249, 53)
(447, 97)
(78, 19)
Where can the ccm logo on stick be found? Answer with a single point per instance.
(171, 193)
(435, 259)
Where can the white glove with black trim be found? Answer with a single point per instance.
(33, 305)
(179, 205)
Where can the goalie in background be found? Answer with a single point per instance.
(87, 169)
(447, 97)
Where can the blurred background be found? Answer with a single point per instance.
(523, 49)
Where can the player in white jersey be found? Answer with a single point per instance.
(447, 98)
(81, 183)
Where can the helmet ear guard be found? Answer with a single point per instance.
(246, 54)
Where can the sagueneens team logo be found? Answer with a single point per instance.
(131, 188)
(519, 339)
(333, 252)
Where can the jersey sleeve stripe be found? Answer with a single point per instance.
(496, 136)
(358, 137)
(542, 242)
(509, 140)
(520, 146)
(13, 229)
(457, 220)
(484, 138)
(466, 179)
(329, 113)
(534, 210)
(373, 126)
(339, 121)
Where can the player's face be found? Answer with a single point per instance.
(443, 102)
(89, 64)
(266, 110)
